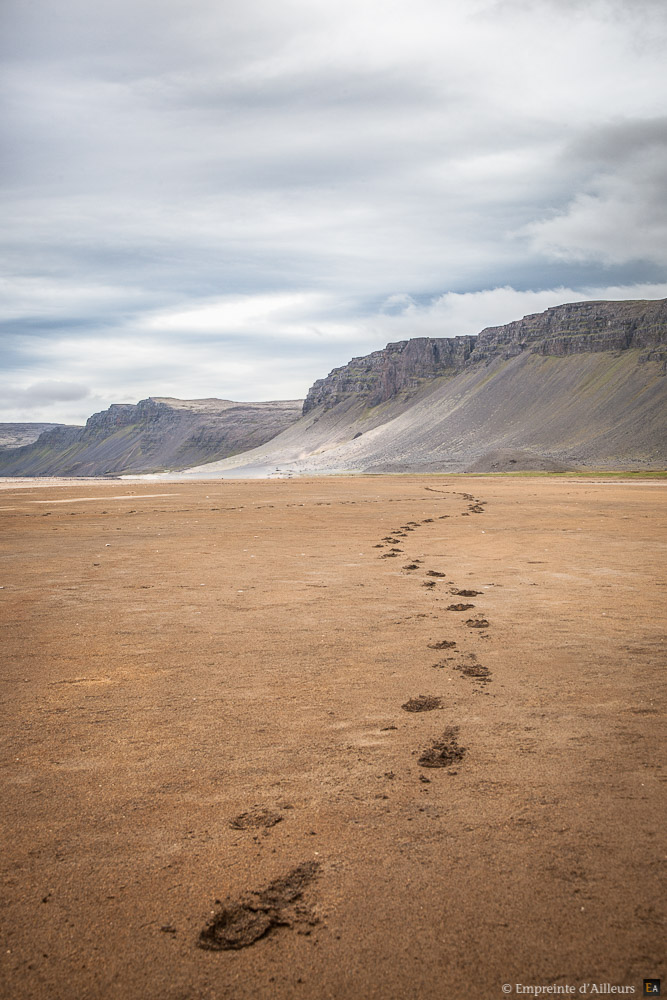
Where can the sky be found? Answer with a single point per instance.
(231, 197)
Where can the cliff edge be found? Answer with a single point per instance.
(578, 327)
(155, 434)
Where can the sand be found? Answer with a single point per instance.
(213, 786)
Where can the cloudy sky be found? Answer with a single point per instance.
(230, 197)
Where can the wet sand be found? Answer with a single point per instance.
(220, 779)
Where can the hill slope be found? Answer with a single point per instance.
(579, 385)
(157, 433)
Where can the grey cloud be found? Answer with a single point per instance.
(618, 141)
(45, 393)
(634, 10)
(620, 213)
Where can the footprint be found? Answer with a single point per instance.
(255, 819)
(477, 623)
(443, 752)
(475, 670)
(239, 924)
(465, 593)
(442, 644)
(411, 566)
(428, 583)
(460, 607)
(423, 703)
(434, 572)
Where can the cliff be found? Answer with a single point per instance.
(398, 367)
(578, 386)
(19, 434)
(578, 327)
(155, 434)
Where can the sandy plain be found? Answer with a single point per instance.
(202, 701)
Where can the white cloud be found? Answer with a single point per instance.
(45, 297)
(284, 315)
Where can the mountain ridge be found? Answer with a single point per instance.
(577, 327)
(579, 386)
(156, 433)
(20, 433)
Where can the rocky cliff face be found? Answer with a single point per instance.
(152, 435)
(579, 327)
(18, 435)
(563, 330)
(383, 374)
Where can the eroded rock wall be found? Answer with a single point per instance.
(383, 374)
(563, 330)
(152, 435)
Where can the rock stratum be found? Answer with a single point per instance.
(582, 385)
(153, 435)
